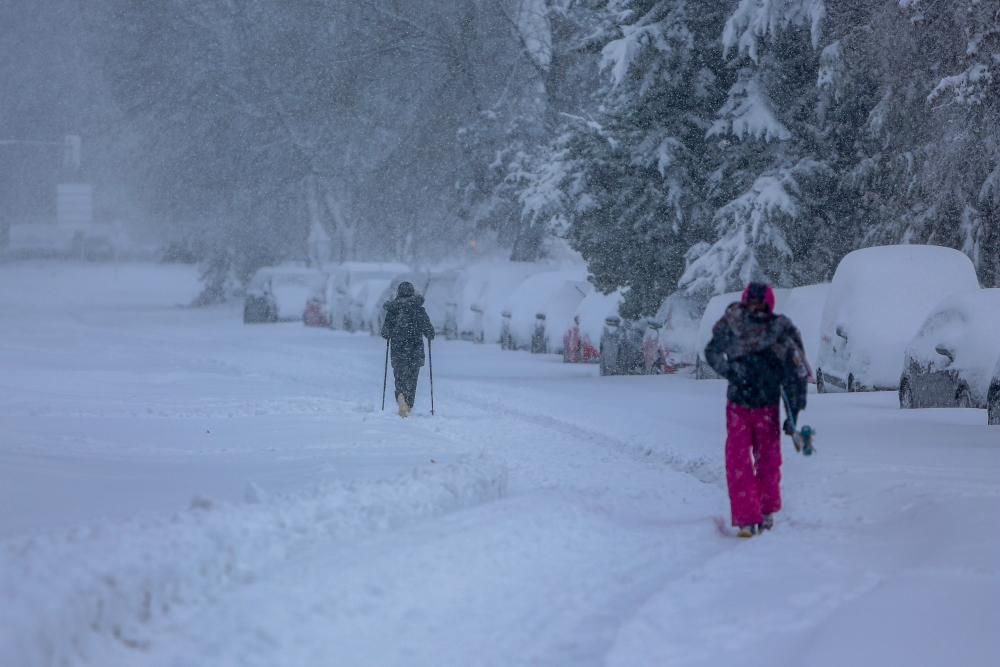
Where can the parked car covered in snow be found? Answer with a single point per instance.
(541, 299)
(435, 287)
(668, 342)
(878, 299)
(338, 296)
(950, 362)
(713, 312)
(371, 308)
(804, 307)
(582, 340)
(483, 300)
(280, 293)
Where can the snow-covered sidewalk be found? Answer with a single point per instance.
(180, 489)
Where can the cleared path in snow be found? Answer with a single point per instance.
(546, 516)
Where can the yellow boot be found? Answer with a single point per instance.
(404, 408)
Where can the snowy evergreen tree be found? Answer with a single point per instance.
(772, 175)
(634, 170)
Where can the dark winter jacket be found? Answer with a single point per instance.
(759, 353)
(406, 323)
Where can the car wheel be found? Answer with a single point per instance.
(820, 383)
(963, 399)
(905, 395)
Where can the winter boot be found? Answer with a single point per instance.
(746, 531)
(766, 524)
(404, 408)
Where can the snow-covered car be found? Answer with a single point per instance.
(581, 342)
(357, 297)
(950, 362)
(371, 309)
(878, 299)
(713, 312)
(280, 293)
(337, 297)
(802, 305)
(668, 343)
(542, 303)
(993, 398)
(482, 301)
(436, 288)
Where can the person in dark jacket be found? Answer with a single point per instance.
(405, 325)
(760, 354)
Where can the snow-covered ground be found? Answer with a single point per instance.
(177, 488)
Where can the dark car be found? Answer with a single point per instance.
(949, 363)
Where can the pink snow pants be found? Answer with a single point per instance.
(753, 462)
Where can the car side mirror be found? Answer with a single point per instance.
(842, 332)
(946, 352)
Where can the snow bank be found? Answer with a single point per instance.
(969, 325)
(878, 299)
(67, 596)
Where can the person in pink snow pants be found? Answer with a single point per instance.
(759, 353)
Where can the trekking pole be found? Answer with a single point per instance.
(385, 375)
(430, 363)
